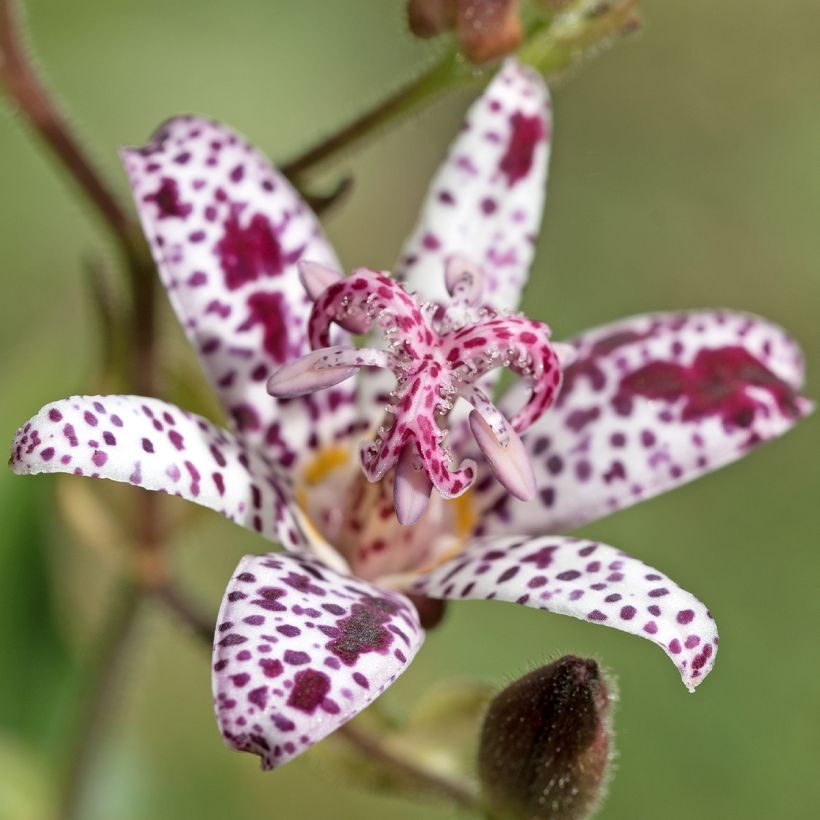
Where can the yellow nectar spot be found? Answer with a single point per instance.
(326, 461)
(464, 514)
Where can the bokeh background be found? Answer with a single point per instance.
(686, 173)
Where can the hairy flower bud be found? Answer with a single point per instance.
(545, 744)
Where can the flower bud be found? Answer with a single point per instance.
(485, 29)
(545, 744)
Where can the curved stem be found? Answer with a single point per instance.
(445, 74)
(374, 748)
(109, 652)
(20, 82)
(24, 87)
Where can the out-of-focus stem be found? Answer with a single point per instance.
(201, 625)
(102, 676)
(24, 87)
(373, 747)
(20, 82)
(449, 72)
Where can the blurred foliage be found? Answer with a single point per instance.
(39, 664)
(686, 172)
(440, 734)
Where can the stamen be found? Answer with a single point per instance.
(316, 278)
(308, 374)
(510, 463)
(437, 353)
(493, 417)
(411, 487)
(566, 354)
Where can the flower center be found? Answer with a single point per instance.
(438, 354)
(356, 518)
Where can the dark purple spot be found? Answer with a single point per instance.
(716, 384)
(526, 134)
(310, 687)
(248, 253)
(259, 696)
(294, 658)
(363, 630)
(685, 616)
(232, 640)
(271, 667)
(167, 200)
(269, 310)
(176, 439)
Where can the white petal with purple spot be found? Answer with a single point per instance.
(587, 580)
(157, 446)
(227, 230)
(649, 403)
(299, 650)
(485, 202)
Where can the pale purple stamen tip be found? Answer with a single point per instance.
(566, 354)
(411, 487)
(510, 463)
(316, 278)
(308, 374)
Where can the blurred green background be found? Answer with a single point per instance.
(686, 172)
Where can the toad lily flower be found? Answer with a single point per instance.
(306, 638)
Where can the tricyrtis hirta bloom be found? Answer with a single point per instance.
(308, 637)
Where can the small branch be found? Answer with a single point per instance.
(20, 82)
(445, 74)
(197, 621)
(24, 87)
(320, 203)
(109, 652)
(373, 747)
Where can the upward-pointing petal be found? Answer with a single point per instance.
(299, 650)
(485, 202)
(157, 446)
(227, 231)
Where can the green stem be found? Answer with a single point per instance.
(450, 72)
